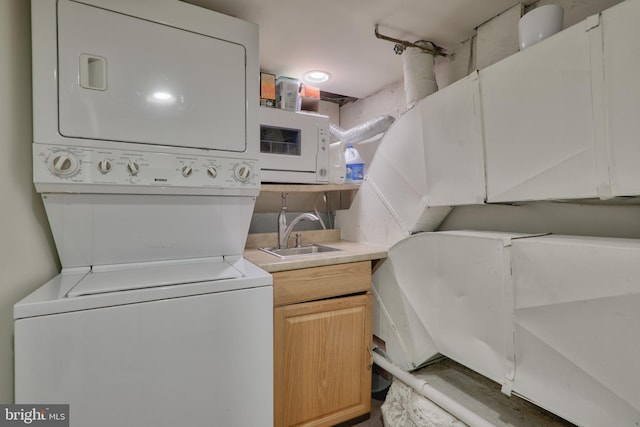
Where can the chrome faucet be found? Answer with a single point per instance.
(285, 230)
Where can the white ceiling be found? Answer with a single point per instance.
(338, 35)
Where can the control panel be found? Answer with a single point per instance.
(322, 162)
(78, 165)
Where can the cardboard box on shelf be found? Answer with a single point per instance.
(310, 104)
(267, 90)
(309, 91)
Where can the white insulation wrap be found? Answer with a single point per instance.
(419, 74)
(448, 406)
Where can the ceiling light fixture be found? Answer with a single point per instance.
(316, 76)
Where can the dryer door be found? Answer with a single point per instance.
(122, 78)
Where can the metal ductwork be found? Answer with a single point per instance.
(361, 132)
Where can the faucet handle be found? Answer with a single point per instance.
(298, 240)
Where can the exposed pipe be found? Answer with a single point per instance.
(401, 45)
(423, 388)
(361, 132)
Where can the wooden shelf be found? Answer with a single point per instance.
(306, 188)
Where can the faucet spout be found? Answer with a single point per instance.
(284, 232)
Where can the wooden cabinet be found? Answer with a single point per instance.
(322, 364)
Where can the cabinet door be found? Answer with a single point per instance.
(538, 121)
(322, 364)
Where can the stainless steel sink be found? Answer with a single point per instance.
(300, 250)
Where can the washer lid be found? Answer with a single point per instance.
(127, 277)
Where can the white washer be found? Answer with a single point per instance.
(130, 346)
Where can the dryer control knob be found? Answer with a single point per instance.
(212, 171)
(63, 164)
(242, 172)
(187, 170)
(133, 168)
(104, 166)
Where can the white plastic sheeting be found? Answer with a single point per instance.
(444, 294)
(576, 327)
(538, 118)
(430, 159)
(554, 319)
(621, 99)
(391, 202)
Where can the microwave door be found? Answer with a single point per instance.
(287, 149)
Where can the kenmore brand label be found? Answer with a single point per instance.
(34, 415)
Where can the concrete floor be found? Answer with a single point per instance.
(479, 394)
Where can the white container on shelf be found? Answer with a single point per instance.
(539, 23)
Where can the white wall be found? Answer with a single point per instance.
(27, 253)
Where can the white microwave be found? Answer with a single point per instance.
(294, 147)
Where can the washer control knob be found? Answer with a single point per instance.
(187, 170)
(133, 168)
(242, 172)
(212, 171)
(63, 164)
(104, 166)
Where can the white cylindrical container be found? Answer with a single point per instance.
(419, 75)
(539, 23)
(355, 165)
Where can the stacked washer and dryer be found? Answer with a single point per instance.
(146, 156)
